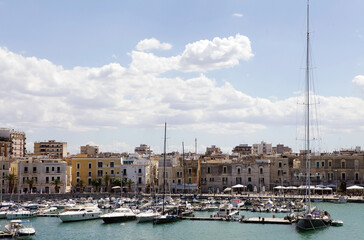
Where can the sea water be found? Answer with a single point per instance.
(351, 213)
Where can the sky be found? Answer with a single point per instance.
(111, 73)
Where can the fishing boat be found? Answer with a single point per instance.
(20, 228)
(313, 218)
(165, 217)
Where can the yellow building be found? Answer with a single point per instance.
(85, 169)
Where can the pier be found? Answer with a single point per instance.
(264, 220)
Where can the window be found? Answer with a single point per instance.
(89, 181)
(139, 170)
(124, 172)
(189, 180)
(34, 169)
(99, 164)
(99, 173)
(261, 170)
(322, 164)
(77, 174)
(58, 169)
(47, 179)
(25, 169)
(59, 178)
(249, 179)
(343, 176)
(343, 164)
(112, 171)
(317, 164)
(140, 180)
(208, 170)
(52, 169)
(357, 176)
(89, 165)
(179, 181)
(89, 174)
(211, 179)
(330, 163)
(224, 180)
(330, 176)
(225, 169)
(279, 164)
(190, 171)
(78, 165)
(112, 164)
(238, 170)
(47, 168)
(249, 171)
(52, 179)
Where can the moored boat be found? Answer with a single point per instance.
(119, 215)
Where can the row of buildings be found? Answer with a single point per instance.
(260, 167)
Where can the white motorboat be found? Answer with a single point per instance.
(119, 215)
(20, 214)
(80, 213)
(147, 216)
(20, 228)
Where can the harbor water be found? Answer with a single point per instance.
(350, 213)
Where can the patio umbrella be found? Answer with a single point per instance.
(355, 187)
(239, 186)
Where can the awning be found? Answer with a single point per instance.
(355, 187)
(239, 186)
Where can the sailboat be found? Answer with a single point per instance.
(165, 217)
(313, 218)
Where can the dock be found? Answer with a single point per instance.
(47, 215)
(263, 220)
(204, 218)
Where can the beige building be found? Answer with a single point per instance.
(90, 151)
(45, 173)
(51, 148)
(12, 143)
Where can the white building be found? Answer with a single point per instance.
(137, 169)
(44, 171)
(262, 148)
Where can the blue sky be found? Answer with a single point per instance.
(110, 73)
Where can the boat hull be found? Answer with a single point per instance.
(79, 217)
(311, 224)
(118, 219)
(168, 219)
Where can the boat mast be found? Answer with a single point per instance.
(164, 164)
(184, 171)
(307, 122)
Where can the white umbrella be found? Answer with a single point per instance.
(292, 188)
(227, 189)
(279, 187)
(318, 188)
(239, 186)
(116, 187)
(355, 187)
(328, 188)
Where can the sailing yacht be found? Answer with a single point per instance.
(313, 218)
(165, 217)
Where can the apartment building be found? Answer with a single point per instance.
(12, 143)
(90, 151)
(46, 175)
(51, 148)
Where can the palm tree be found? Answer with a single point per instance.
(56, 184)
(96, 183)
(129, 182)
(30, 182)
(107, 181)
(80, 185)
(11, 178)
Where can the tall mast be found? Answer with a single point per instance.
(307, 120)
(183, 164)
(164, 164)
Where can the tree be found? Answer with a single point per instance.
(129, 182)
(80, 185)
(11, 178)
(96, 183)
(107, 181)
(56, 184)
(30, 182)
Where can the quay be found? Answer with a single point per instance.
(264, 220)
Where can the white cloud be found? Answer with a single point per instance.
(205, 55)
(152, 43)
(359, 81)
(35, 93)
(238, 15)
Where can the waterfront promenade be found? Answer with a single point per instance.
(266, 195)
